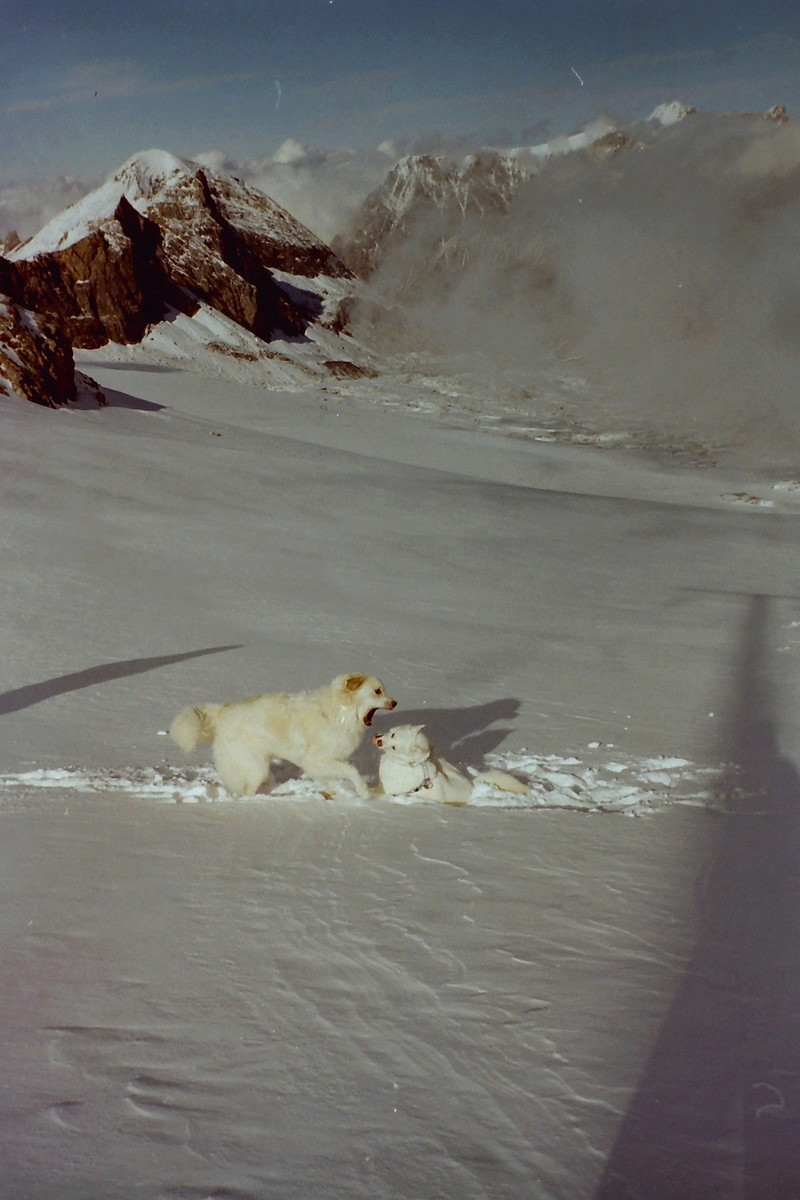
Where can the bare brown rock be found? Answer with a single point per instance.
(202, 251)
(107, 286)
(35, 357)
(615, 142)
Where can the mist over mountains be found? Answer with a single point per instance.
(656, 264)
(661, 261)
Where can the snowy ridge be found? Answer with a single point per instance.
(141, 179)
(566, 144)
(632, 786)
(73, 224)
(511, 165)
(146, 180)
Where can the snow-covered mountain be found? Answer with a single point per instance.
(476, 185)
(164, 238)
(436, 196)
(421, 183)
(653, 268)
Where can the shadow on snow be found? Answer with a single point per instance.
(464, 735)
(717, 1109)
(35, 693)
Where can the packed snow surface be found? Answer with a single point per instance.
(309, 995)
(634, 787)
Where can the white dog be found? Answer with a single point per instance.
(317, 731)
(410, 766)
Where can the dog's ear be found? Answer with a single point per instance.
(352, 683)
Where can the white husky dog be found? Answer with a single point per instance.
(316, 731)
(409, 766)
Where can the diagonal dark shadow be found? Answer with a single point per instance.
(147, 368)
(35, 693)
(717, 1109)
(465, 734)
(115, 399)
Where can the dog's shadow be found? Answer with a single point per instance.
(463, 735)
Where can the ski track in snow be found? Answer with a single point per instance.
(627, 785)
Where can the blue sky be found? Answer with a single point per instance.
(86, 83)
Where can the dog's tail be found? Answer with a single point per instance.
(194, 725)
(503, 781)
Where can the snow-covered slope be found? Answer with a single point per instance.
(338, 1000)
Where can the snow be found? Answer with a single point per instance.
(333, 998)
(149, 173)
(568, 143)
(74, 223)
(635, 787)
(220, 347)
(670, 113)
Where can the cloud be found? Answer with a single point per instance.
(667, 277)
(292, 153)
(26, 207)
(83, 83)
(321, 188)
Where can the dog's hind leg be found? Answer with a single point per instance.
(242, 771)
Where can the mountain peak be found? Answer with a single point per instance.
(164, 233)
(147, 173)
(672, 112)
(142, 179)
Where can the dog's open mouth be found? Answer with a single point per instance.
(368, 715)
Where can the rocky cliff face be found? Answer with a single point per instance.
(163, 234)
(109, 285)
(35, 357)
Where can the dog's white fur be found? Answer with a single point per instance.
(409, 765)
(316, 731)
